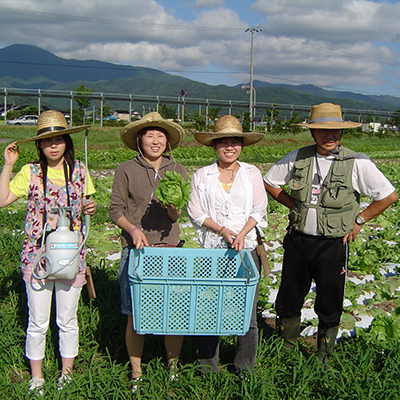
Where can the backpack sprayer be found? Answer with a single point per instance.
(61, 259)
(62, 249)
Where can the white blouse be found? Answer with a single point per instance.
(232, 209)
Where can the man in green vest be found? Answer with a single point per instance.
(325, 182)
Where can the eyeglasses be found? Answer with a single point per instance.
(326, 132)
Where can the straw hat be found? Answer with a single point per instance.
(228, 126)
(328, 116)
(176, 134)
(53, 123)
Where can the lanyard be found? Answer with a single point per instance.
(320, 179)
(333, 191)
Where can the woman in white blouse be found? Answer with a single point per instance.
(228, 201)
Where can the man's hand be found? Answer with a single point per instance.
(351, 236)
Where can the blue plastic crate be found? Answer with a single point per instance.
(192, 291)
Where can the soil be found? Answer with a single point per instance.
(352, 274)
(387, 306)
(308, 344)
(101, 173)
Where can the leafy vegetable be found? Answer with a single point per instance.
(384, 327)
(173, 189)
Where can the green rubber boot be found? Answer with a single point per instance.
(326, 343)
(289, 329)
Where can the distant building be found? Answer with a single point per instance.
(371, 126)
(123, 115)
(376, 126)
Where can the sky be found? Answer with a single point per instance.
(349, 45)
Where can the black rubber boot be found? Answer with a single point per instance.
(289, 329)
(326, 343)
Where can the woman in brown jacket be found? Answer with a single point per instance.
(144, 221)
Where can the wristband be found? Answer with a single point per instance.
(220, 231)
(135, 227)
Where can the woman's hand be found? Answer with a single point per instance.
(173, 212)
(89, 207)
(11, 154)
(228, 235)
(238, 243)
(139, 238)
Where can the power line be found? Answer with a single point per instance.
(114, 67)
(111, 21)
(132, 68)
(96, 20)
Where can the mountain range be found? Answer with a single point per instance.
(30, 67)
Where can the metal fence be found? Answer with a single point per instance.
(181, 102)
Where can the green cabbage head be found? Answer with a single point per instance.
(173, 189)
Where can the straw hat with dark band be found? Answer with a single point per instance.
(176, 134)
(228, 126)
(53, 123)
(328, 116)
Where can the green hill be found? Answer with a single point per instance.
(29, 67)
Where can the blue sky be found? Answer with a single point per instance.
(338, 45)
(187, 10)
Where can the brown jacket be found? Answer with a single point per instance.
(133, 196)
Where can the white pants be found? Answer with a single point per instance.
(39, 305)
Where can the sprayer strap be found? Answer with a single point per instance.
(44, 180)
(67, 190)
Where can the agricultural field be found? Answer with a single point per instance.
(366, 361)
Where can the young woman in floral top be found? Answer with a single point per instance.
(43, 182)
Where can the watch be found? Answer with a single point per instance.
(360, 220)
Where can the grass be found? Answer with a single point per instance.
(361, 368)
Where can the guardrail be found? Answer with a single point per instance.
(180, 101)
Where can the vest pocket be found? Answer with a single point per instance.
(298, 182)
(294, 217)
(334, 225)
(337, 224)
(298, 191)
(334, 197)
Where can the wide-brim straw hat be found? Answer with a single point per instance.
(328, 116)
(228, 126)
(52, 123)
(176, 134)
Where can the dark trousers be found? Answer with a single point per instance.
(246, 346)
(317, 258)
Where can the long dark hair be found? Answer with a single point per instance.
(69, 157)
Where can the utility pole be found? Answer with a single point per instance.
(251, 30)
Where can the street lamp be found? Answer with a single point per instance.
(251, 30)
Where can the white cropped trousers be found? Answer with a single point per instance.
(39, 298)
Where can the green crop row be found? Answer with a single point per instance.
(364, 367)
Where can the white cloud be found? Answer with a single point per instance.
(347, 43)
(334, 21)
(208, 3)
